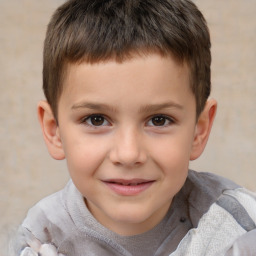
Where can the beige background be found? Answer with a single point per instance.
(27, 173)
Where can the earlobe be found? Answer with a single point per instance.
(50, 130)
(203, 128)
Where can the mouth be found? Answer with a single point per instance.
(128, 187)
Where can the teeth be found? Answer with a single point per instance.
(127, 184)
(132, 184)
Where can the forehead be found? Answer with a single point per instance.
(133, 65)
(143, 77)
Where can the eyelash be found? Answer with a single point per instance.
(160, 118)
(167, 121)
(89, 118)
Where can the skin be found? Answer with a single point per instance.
(131, 122)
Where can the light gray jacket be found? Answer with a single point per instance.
(209, 216)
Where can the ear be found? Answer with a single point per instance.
(50, 130)
(203, 128)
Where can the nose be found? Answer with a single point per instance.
(128, 148)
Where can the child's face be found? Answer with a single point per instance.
(127, 131)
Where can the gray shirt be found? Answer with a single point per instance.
(64, 221)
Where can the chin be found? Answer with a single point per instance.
(131, 216)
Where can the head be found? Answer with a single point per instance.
(93, 31)
(127, 84)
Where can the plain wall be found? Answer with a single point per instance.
(27, 173)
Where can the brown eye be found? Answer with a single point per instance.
(96, 120)
(160, 121)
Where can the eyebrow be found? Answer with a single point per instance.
(158, 107)
(144, 109)
(94, 106)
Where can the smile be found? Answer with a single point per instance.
(128, 187)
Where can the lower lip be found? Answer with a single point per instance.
(132, 190)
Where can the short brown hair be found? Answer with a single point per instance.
(99, 30)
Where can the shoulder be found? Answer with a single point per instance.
(210, 182)
(47, 221)
(207, 189)
(241, 205)
(46, 211)
(224, 215)
(201, 190)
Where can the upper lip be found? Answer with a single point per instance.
(127, 182)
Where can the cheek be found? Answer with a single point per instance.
(173, 160)
(172, 152)
(84, 156)
(83, 161)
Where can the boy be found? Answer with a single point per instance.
(127, 84)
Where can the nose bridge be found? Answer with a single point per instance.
(128, 147)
